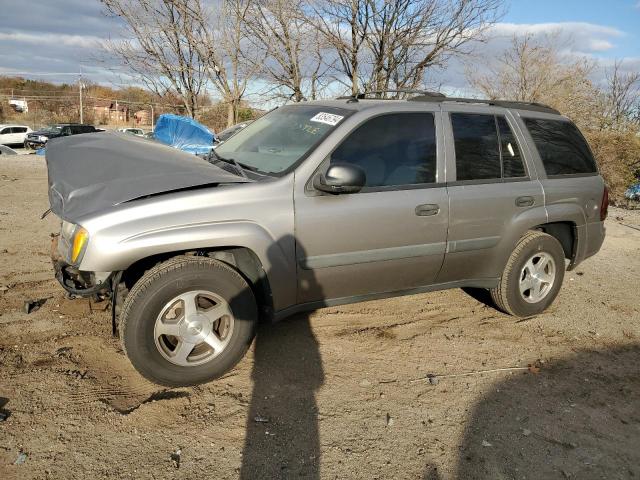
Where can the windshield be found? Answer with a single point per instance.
(276, 142)
(53, 128)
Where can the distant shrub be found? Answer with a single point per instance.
(618, 155)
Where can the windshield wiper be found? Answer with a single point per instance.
(237, 164)
(230, 161)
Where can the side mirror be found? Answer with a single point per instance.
(340, 178)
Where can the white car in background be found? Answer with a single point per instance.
(13, 134)
(138, 132)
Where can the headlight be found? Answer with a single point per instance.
(42, 138)
(80, 239)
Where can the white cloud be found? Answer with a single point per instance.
(44, 39)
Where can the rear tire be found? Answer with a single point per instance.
(188, 321)
(532, 277)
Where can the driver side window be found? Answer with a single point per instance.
(397, 149)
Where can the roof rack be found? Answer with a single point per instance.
(364, 95)
(437, 97)
(531, 106)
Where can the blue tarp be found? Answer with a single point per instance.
(183, 133)
(40, 151)
(633, 192)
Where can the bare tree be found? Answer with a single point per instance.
(158, 47)
(533, 70)
(221, 47)
(621, 98)
(291, 60)
(382, 44)
(407, 37)
(344, 24)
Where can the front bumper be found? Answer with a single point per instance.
(75, 281)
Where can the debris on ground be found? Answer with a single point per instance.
(526, 432)
(4, 414)
(486, 444)
(176, 457)
(433, 378)
(390, 420)
(3, 288)
(22, 457)
(260, 419)
(31, 306)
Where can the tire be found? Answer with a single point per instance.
(547, 265)
(26, 145)
(147, 312)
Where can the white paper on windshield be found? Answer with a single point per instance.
(328, 118)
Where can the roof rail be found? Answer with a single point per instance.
(364, 95)
(437, 97)
(531, 106)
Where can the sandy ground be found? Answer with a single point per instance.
(339, 393)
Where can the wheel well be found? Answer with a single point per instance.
(244, 260)
(565, 233)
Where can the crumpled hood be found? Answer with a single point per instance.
(94, 171)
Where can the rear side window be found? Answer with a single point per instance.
(393, 150)
(486, 148)
(561, 146)
(512, 166)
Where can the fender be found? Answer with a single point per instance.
(273, 254)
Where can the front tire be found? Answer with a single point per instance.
(188, 321)
(532, 277)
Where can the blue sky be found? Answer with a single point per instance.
(62, 36)
(623, 15)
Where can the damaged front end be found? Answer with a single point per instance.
(73, 280)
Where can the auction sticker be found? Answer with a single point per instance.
(328, 118)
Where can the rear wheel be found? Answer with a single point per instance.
(26, 145)
(532, 277)
(188, 321)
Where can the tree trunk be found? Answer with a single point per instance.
(232, 112)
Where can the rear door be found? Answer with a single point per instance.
(19, 134)
(494, 193)
(391, 235)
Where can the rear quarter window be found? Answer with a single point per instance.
(561, 146)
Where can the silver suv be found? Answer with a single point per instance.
(318, 204)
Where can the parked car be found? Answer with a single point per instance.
(227, 133)
(39, 138)
(138, 132)
(318, 204)
(13, 134)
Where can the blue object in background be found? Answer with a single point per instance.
(633, 192)
(183, 133)
(40, 151)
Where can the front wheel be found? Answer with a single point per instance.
(532, 277)
(188, 321)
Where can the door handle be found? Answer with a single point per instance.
(427, 209)
(524, 201)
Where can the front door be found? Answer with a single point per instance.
(391, 236)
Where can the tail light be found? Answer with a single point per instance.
(604, 206)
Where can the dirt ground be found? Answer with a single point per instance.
(339, 393)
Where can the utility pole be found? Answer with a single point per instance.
(80, 86)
